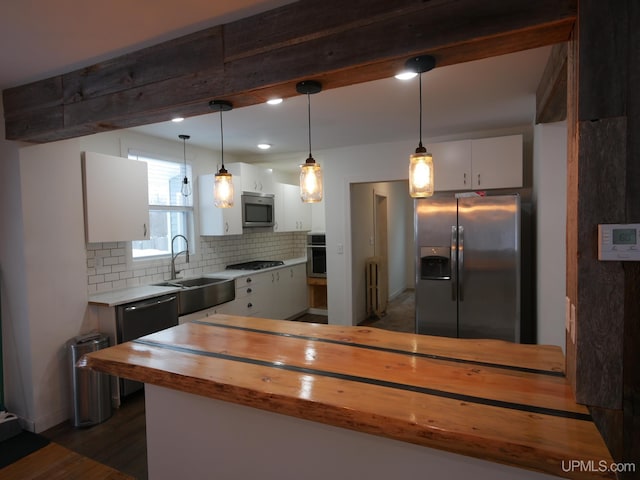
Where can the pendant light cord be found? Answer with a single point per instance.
(420, 97)
(309, 118)
(184, 155)
(221, 140)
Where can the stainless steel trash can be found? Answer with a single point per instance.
(91, 391)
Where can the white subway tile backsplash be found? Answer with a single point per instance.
(110, 261)
(109, 268)
(94, 279)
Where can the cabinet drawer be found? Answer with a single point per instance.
(247, 291)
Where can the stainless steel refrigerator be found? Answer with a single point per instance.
(468, 266)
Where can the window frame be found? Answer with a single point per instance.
(187, 210)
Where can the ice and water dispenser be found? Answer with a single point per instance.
(435, 263)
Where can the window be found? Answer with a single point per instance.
(170, 212)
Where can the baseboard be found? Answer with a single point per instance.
(318, 311)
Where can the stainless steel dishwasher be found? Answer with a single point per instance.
(135, 320)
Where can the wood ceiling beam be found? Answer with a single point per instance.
(339, 43)
(551, 95)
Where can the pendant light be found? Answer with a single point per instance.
(420, 162)
(186, 187)
(310, 172)
(223, 185)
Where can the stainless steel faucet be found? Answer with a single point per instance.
(173, 256)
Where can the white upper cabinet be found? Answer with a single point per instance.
(291, 214)
(497, 162)
(116, 198)
(478, 164)
(451, 165)
(216, 221)
(253, 178)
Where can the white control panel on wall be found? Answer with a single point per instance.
(619, 242)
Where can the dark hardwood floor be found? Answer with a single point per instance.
(399, 316)
(120, 442)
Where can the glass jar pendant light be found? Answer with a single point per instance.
(310, 171)
(421, 177)
(186, 186)
(223, 184)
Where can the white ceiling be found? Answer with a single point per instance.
(42, 38)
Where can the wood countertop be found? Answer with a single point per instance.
(488, 399)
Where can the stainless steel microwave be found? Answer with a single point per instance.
(257, 209)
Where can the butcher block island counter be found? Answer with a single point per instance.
(483, 408)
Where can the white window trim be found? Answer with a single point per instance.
(160, 260)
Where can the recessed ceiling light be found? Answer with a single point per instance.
(177, 119)
(406, 75)
(274, 101)
(264, 146)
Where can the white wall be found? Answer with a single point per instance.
(550, 197)
(55, 269)
(16, 346)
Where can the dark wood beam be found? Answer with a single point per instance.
(551, 95)
(603, 118)
(340, 43)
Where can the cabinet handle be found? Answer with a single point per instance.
(273, 278)
(255, 185)
(226, 226)
(144, 229)
(249, 305)
(291, 273)
(249, 290)
(464, 178)
(278, 276)
(478, 179)
(249, 280)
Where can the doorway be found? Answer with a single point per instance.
(380, 248)
(382, 226)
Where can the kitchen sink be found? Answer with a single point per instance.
(201, 293)
(191, 282)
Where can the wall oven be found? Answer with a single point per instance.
(316, 255)
(257, 209)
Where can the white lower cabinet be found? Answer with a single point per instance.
(289, 292)
(251, 296)
(280, 294)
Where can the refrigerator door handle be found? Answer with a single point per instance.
(461, 262)
(454, 262)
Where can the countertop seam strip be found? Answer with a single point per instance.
(431, 356)
(372, 381)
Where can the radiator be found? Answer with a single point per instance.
(377, 286)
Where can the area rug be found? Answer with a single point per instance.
(20, 446)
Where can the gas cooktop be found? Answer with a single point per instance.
(255, 265)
